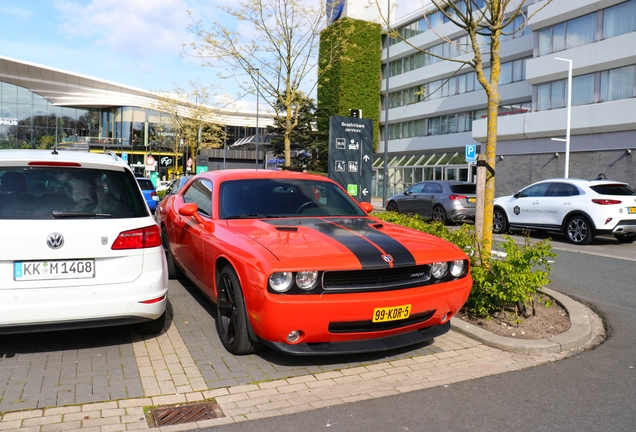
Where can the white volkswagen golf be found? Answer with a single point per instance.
(79, 247)
(581, 209)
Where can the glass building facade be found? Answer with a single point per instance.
(27, 120)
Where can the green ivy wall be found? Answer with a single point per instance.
(350, 75)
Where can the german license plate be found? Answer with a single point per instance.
(472, 199)
(60, 269)
(631, 210)
(391, 313)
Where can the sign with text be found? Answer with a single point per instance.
(471, 153)
(350, 155)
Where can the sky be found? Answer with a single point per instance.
(138, 43)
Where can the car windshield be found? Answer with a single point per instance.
(284, 197)
(68, 192)
(613, 189)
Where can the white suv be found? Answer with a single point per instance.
(581, 209)
(79, 246)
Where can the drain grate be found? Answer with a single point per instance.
(185, 414)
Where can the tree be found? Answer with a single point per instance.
(191, 118)
(485, 22)
(278, 55)
(311, 144)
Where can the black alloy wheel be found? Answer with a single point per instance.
(439, 214)
(231, 317)
(392, 207)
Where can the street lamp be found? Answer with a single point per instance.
(569, 115)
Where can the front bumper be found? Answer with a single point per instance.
(362, 346)
(342, 323)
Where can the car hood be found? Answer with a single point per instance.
(350, 242)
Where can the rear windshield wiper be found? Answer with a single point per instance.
(69, 214)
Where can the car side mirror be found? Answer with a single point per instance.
(192, 210)
(518, 195)
(367, 206)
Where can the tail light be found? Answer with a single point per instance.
(153, 194)
(154, 300)
(605, 201)
(138, 238)
(456, 197)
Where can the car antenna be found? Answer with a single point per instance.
(601, 176)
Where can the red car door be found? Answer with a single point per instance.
(190, 235)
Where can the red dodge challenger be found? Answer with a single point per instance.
(295, 263)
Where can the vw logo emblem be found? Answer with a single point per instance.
(387, 258)
(55, 241)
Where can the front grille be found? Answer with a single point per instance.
(379, 279)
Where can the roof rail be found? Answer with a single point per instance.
(113, 154)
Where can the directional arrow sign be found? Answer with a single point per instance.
(365, 191)
(365, 158)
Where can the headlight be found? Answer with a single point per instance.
(439, 269)
(306, 280)
(457, 268)
(281, 281)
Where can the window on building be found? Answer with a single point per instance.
(613, 84)
(613, 21)
(617, 84)
(619, 19)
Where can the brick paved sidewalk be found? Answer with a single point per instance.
(169, 375)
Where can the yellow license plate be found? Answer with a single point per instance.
(472, 199)
(631, 210)
(391, 313)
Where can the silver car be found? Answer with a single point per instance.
(439, 200)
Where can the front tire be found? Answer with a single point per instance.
(173, 272)
(625, 238)
(392, 207)
(579, 230)
(439, 215)
(499, 221)
(231, 317)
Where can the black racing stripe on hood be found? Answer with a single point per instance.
(367, 243)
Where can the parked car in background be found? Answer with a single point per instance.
(80, 248)
(175, 185)
(439, 200)
(293, 262)
(150, 194)
(581, 209)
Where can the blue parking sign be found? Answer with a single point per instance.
(471, 153)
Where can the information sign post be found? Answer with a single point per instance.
(350, 155)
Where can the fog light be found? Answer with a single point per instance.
(293, 336)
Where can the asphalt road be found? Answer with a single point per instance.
(594, 390)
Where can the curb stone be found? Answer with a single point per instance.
(585, 327)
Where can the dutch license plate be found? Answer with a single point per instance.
(391, 313)
(472, 199)
(61, 269)
(631, 210)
